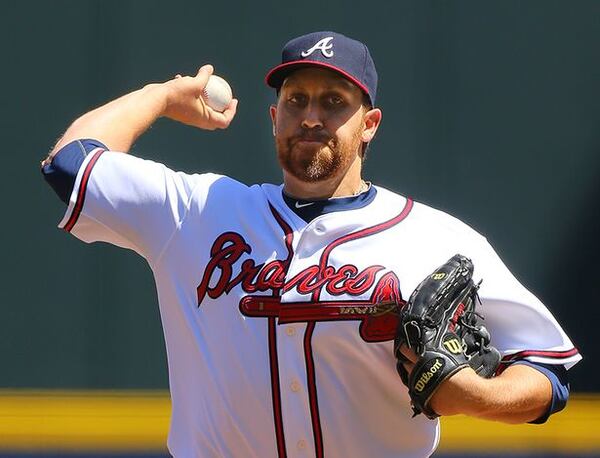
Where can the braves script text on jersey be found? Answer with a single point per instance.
(279, 332)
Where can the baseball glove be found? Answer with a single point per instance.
(440, 325)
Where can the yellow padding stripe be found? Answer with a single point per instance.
(139, 421)
(84, 420)
(575, 429)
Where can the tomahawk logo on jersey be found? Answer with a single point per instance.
(378, 314)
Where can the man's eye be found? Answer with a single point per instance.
(335, 100)
(295, 99)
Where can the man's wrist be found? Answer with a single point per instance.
(160, 93)
(463, 393)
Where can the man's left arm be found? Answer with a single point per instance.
(523, 393)
(520, 394)
(531, 382)
(535, 353)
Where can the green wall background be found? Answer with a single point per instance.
(491, 112)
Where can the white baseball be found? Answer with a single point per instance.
(217, 93)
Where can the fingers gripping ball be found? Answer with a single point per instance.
(440, 325)
(217, 93)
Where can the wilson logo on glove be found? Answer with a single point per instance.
(440, 325)
(453, 345)
(426, 376)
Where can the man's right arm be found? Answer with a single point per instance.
(119, 123)
(118, 198)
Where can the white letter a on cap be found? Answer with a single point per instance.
(324, 45)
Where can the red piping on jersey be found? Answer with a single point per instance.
(312, 390)
(271, 307)
(310, 365)
(81, 193)
(361, 234)
(509, 359)
(275, 389)
(289, 237)
(273, 356)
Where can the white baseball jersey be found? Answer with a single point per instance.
(276, 346)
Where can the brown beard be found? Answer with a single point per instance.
(316, 162)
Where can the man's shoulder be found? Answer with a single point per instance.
(428, 216)
(228, 192)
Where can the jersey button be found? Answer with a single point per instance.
(295, 386)
(290, 331)
(301, 444)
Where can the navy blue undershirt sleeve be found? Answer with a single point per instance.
(557, 374)
(61, 173)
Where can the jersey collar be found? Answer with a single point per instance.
(311, 209)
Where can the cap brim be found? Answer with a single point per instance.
(278, 74)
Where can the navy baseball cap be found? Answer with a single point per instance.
(337, 52)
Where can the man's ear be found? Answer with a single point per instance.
(372, 120)
(273, 113)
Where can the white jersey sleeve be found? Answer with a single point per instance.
(521, 326)
(129, 202)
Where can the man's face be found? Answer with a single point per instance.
(318, 124)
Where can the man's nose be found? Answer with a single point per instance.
(312, 117)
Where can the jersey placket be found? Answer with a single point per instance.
(299, 397)
(293, 388)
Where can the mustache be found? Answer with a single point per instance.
(311, 136)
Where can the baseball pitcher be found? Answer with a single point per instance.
(324, 316)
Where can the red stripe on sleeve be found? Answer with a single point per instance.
(81, 193)
(512, 358)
